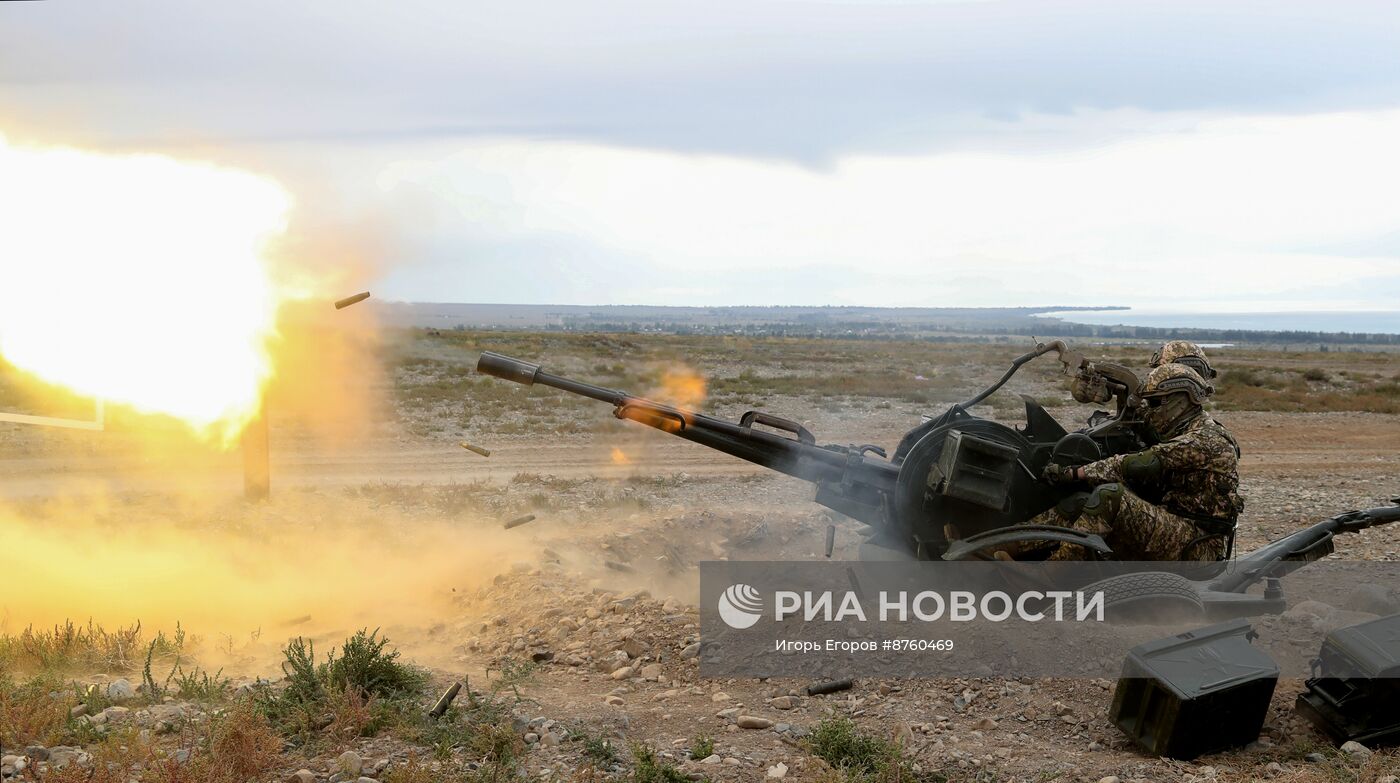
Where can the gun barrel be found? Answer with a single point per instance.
(507, 368)
(511, 369)
(852, 475)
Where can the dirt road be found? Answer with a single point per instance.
(1359, 445)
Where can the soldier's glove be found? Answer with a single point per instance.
(1058, 474)
(1090, 388)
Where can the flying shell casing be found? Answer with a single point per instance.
(476, 449)
(445, 700)
(341, 304)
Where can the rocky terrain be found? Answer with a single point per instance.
(576, 632)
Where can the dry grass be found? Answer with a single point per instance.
(242, 745)
(1311, 389)
(413, 771)
(34, 712)
(236, 746)
(439, 394)
(353, 713)
(70, 648)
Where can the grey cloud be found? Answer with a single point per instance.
(787, 79)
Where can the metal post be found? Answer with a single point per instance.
(257, 475)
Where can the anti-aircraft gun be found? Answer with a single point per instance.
(959, 470)
(980, 481)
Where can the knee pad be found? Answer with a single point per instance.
(1072, 506)
(1103, 501)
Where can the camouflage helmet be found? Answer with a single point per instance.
(1175, 377)
(1183, 352)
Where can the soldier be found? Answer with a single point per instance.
(1091, 388)
(1176, 500)
(1183, 352)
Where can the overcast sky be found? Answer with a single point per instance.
(1232, 155)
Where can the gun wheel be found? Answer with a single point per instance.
(1148, 598)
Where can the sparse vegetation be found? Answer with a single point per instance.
(702, 747)
(434, 374)
(1311, 389)
(34, 711)
(599, 750)
(342, 690)
(361, 688)
(647, 768)
(69, 648)
(479, 724)
(242, 744)
(200, 686)
(324, 702)
(858, 757)
(366, 666)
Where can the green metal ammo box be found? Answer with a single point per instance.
(1196, 692)
(1356, 693)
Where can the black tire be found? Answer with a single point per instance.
(1149, 598)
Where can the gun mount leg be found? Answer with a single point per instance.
(257, 472)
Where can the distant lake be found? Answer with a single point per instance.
(1375, 321)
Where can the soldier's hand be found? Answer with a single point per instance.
(1058, 474)
(1089, 388)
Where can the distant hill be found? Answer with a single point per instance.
(948, 323)
(479, 316)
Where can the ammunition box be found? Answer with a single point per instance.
(974, 469)
(1195, 693)
(1356, 695)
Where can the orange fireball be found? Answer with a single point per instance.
(140, 280)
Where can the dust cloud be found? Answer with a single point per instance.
(138, 523)
(243, 578)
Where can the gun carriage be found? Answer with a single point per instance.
(962, 474)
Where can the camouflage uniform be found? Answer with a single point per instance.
(1183, 352)
(1172, 501)
(1091, 387)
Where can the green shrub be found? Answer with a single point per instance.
(1316, 374)
(198, 685)
(1246, 376)
(647, 768)
(599, 750)
(702, 747)
(299, 664)
(366, 666)
(857, 756)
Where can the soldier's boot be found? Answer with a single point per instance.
(1062, 514)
